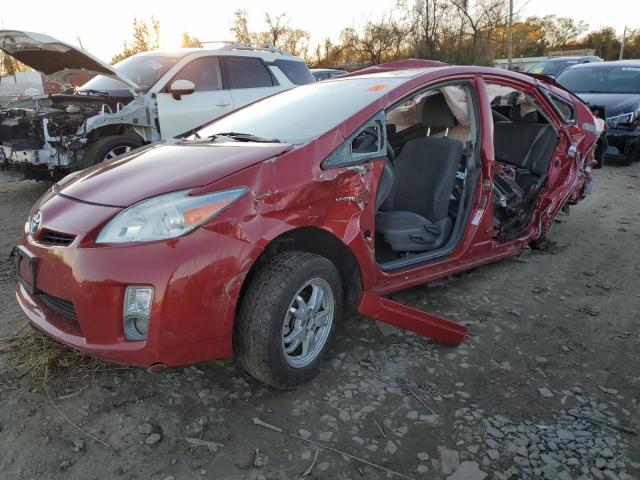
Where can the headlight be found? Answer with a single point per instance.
(166, 216)
(622, 119)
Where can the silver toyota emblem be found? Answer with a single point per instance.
(35, 222)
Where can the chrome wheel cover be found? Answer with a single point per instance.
(114, 152)
(308, 322)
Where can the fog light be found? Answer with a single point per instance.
(137, 312)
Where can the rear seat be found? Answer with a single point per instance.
(525, 143)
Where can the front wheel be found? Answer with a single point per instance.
(288, 318)
(108, 148)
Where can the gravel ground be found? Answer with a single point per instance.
(547, 385)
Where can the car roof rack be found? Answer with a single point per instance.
(260, 47)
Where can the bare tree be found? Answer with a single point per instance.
(379, 40)
(240, 27)
(278, 33)
(190, 42)
(559, 31)
(10, 66)
(480, 18)
(146, 37)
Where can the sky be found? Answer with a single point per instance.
(103, 30)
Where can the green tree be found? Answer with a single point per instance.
(632, 50)
(146, 37)
(606, 43)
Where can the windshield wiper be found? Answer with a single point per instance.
(243, 137)
(90, 91)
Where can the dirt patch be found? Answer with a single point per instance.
(547, 385)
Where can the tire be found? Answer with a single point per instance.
(106, 148)
(266, 324)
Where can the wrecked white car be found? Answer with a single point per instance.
(145, 98)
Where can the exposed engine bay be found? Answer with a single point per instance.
(46, 135)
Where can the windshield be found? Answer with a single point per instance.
(305, 112)
(144, 70)
(599, 79)
(552, 67)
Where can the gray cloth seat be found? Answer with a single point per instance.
(415, 214)
(524, 143)
(435, 106)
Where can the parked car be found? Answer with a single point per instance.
(145, 98)
(616, 87)
(553, 66)
(320, 74)
(251, 235)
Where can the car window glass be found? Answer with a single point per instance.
(203, 72)
(596, 78)
(247, 72)
(144, 70)
(297, 72)
(287, 116)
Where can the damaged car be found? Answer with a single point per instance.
(145, 98)
(254, 234)
(614, 88)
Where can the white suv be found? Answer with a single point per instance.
(145, 98)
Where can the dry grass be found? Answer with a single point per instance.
(40, 358)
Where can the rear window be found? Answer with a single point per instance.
(297, 72)
(247, 72)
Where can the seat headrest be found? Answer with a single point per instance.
(436, 113)
(516, 115)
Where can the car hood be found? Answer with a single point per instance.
(162, 168)
(55, 59)
(615, 103)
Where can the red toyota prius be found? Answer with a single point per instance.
(251, 235)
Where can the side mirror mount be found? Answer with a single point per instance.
(181, 87)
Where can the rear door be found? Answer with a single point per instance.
(249, 79)
(208, 101)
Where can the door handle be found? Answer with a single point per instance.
(222, 104)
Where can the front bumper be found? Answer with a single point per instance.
(197, 281)
(623, 144)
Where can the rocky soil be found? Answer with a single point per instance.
(547, 385)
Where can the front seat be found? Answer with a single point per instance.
(414, 215)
